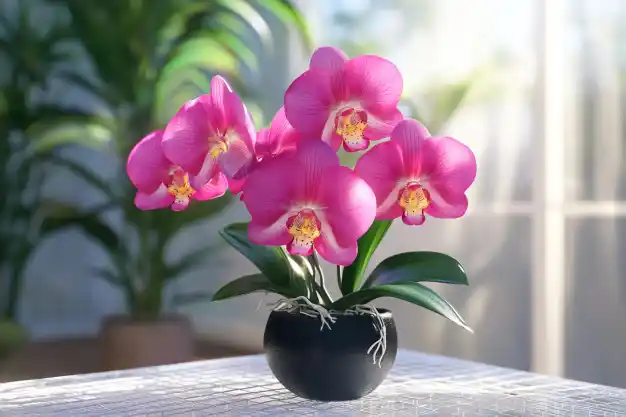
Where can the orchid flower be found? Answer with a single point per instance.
(161, 183)
(307, 201)
(341, 100)
(271, 142)
(414, 174)
(210, 134)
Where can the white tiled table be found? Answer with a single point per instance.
(418, 385)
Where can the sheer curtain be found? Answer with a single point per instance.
(543, 113)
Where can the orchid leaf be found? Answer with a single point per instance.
(418, 267)
(249, 284)
(271, 261)
(353, 274)
(411, 292)
(302, 273)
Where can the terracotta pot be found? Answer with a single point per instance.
(132, 344)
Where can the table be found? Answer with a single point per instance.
(418, 385)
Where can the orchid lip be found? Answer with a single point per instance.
(305, 228)
(350, 122)
(414, 199)
(178, 185)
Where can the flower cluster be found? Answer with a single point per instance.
(289, 175)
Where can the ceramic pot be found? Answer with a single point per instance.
(132, 344)
(329, 364)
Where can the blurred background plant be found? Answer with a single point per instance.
(30, 55)
(146, 60)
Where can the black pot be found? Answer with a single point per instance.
(329, 364)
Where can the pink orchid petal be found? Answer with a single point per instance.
(410, 135)
(448, 207)
(186, 136)
(215, 188)
(209, 170)
(282, 136)
(147, 166)
(335, 254)
(381, 122)
(236, 114)
(161, 198)
(308, 102)
(263, 145)
(273, 234)
(238, 160)
(413, 220)
(373, 80)
(455, 167)
(382, 168)
(313, 159)
(223, 97)
(236, 186)
(349, 205)
(389, 211)
(180, 204)
(270, 190)
(328, 58)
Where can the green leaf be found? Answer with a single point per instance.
(271, 261)
(417, 267)
(301, 273)
(247, 285)
(353, 274)
(412, 292)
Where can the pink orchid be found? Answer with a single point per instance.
(160, 183)
(278, 139)
(341, 100)
(307, 201)
(210, 134)
(414, 174)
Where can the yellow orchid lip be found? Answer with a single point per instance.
(414, 199)
(179, 185)
(350, 125)
(304, 227)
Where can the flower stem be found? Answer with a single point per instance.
(326, 298)
(339, 276)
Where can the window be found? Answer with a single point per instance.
(537, 90)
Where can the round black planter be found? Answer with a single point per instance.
(329, 364)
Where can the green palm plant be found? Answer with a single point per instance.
(147, 60)
(30, 55)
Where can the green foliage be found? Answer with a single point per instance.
(398, 276)
(353, 274)
(416, 267)
(411, 292)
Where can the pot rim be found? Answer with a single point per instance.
(384, 313)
